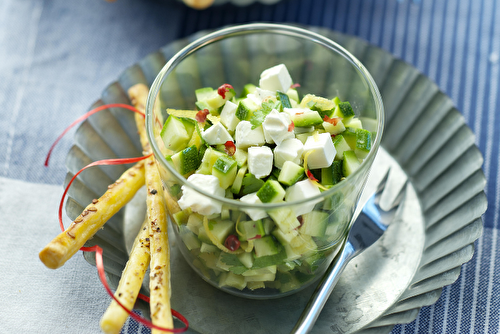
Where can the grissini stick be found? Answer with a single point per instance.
(159, 280)
(130, 283)
(198, 4)
(95, 215)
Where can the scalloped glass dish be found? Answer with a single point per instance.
(385, 285)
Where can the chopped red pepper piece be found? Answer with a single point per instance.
(232, 243)
(201, 116)
(258, 236)
(295, 85)
(291, 127)
(223, 89)
(311, 176)
(230, 148)
(301, 221)
(333, 120)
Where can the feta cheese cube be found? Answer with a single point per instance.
(260, 161)
(216, 134)
(322, 150)
(264, 93)
(228, 116)
(255, 214)
(200, 203)
(289, 150)
(300, 192)
(255, 98)
(275, 78)
(276, 125)
(245, 136)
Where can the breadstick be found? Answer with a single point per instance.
(130, 283)
(159, 286)
(67, 243)
(199, 4)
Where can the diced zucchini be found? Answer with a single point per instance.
(284, 99)
(246, 258)
(206, 248)
(293, 94)
(268, 225)
(189, 238)
(350, 164)
(207, 162)
(225, 169)
(248, 89)
(203, 93)
(340, 146)
(221, 229)
(350, 137)
(250, 184)
(306, 118)
(290, 173)
(363, 143)
(241, 157)
(182, 217)
(284, 237)
(285, 218)
(210, 260)
(246, 108)
(232, 280)
(334, 129)
(174, 134)
(354, 123)
(344, 110)
(333, 174)
(265, 246)
(261, 271)
(238, 180)
(271, 192)
(187, 160)
(195, 222)
(251, 229)
(314, 223)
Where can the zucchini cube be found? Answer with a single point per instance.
(225, 169)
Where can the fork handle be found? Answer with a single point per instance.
(325, 287)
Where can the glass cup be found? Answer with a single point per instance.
(263, 250)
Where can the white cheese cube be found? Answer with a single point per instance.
(216, 134)
(276, 125)
(245, 136)
(265, 94)
(289, 150)
(275, 78)
(228, 116)
(255, 214)
(267, 136)
(260, 161)
(200, 203)
(322, 150)
(300, 192)
(255, 98)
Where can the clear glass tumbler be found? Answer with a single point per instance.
(294, 257)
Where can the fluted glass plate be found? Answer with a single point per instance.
(426, 140)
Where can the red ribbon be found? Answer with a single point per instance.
(98, 250)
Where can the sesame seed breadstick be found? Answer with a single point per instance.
(199, 4)
(159, 286)
(67, 243)
(130, 283)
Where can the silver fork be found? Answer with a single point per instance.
(369, 225)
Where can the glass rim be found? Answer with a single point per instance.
(262, 28)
